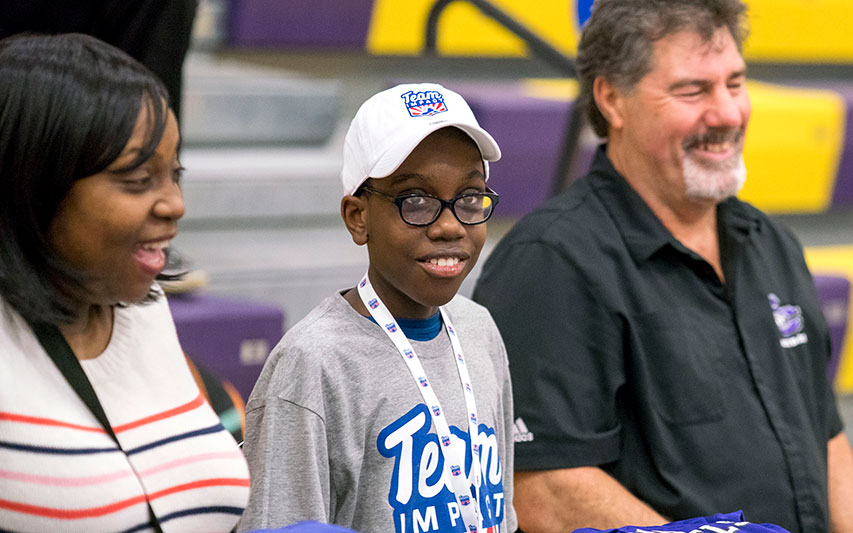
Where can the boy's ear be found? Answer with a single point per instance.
(354, 213)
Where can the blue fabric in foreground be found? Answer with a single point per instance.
(723, 523)
(306, 527)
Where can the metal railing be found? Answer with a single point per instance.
(541, 50)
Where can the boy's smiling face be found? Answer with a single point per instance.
(416, 269)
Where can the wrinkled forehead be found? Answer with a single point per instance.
(687, 53)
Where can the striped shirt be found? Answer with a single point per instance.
(59, 469)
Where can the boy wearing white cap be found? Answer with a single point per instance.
(389, 408)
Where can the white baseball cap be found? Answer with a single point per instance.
(391, 124)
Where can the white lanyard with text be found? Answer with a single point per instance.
(454, 461)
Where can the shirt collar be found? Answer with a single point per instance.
(643, 232)
(418, 329)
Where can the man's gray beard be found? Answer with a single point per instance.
(714, 181)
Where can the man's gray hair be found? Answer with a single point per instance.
(617, 41)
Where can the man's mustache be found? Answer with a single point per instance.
(714, 136)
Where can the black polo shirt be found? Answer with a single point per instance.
(627, 352)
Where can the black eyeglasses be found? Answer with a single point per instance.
(419, 209)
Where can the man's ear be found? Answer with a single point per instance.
(609, 100)
(354, 213)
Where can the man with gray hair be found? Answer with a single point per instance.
(665, 339)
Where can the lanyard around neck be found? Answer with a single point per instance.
(454, 456)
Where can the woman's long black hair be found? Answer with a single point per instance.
(68, 106)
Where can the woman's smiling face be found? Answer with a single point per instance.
(113, 226)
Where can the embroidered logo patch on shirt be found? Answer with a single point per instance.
(789, 320)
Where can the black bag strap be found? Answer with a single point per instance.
(58, 349)
(63, 357)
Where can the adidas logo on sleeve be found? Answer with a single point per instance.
(520, 433)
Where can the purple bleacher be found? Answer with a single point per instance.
(834, 293)
(229, 337)
(843, 193)
(299, 23)
(530, 132)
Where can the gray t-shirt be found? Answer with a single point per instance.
(337, 431)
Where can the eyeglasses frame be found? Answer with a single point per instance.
(445, 204)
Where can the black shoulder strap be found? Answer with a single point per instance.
(58, 349)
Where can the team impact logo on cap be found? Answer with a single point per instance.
(424, 104)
